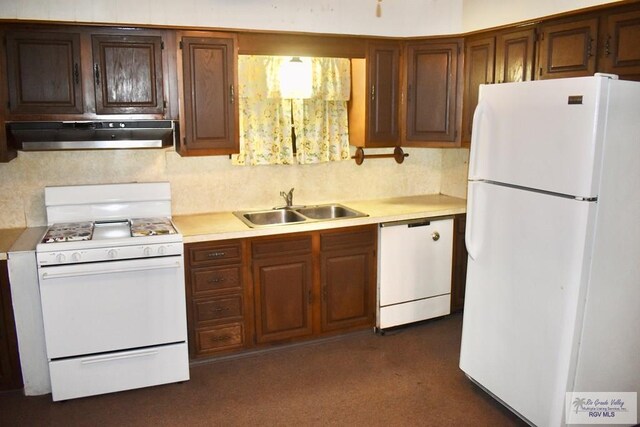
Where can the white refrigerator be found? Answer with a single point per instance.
(553, 233)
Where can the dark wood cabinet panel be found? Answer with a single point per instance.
(219, 303)
(44, 72)
(283, 297)
(209, 66)
(515, 56)
(568, 49)
(219, 339)
(10, 373)
(432, 89)
(479, 69)
(621, 46)
(348, 291)
(127, 73)
(383, 63)
(459, 273)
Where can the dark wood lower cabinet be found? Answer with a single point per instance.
(348, 277)
(278, 289)
(10, 373)
(459, 273)
(282, 289)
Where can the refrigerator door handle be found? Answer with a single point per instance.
(475, 126)
(469, 231)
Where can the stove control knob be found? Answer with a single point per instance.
(75, 257)
(112, 253)
(162, 250)
(146, 251)
(61, 258)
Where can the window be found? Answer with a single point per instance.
(281, 124)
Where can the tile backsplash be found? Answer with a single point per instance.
(210, 184)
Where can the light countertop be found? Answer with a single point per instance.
(224, 225)
(8, 236)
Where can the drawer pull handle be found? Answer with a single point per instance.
(435, 236)
(216, 254)
(220, 309)
(221, 338)
(216, 280)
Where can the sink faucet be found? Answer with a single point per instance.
(288, 197)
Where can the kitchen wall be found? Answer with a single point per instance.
(399, 18)
(211, 183)
(479, 14)
(206, 184)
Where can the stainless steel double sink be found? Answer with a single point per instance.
(297, 215)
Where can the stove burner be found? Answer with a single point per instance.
(69, 232)
(151, 227)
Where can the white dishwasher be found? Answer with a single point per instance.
(414, 271)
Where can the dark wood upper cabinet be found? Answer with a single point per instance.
(478, 69)
(209, 64)
(127, 73)
(514, 56)
(568, 49)
(375, 96)
(432, 100)
(383, 62)
(44, 72)
(621, 45)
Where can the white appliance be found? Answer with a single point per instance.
(553, 277)
(414, 271)
(111, 275)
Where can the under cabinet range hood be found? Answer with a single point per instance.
(91, 135)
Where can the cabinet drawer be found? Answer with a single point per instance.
(213, 255)
(281, 246)
(210, 280)
(221, 338)
(218, 309)
(342, 239)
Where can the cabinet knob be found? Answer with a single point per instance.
(435, 236)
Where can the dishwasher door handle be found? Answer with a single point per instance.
(419, 224)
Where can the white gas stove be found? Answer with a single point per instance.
(111, 276)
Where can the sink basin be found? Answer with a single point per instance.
(271, 217)
(284, 216)
(332, 211)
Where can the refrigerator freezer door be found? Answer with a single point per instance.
(545, 135)
(525, 278)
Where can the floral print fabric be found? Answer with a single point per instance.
(320, 122)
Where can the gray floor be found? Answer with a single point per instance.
(410, 377)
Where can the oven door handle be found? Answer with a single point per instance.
(47, 275)
(109, 358)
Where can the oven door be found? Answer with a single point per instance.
(116, 305)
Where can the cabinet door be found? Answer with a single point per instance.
(383, 62)
(479, 69)
(568, 49)
(128, 74)
(348, 279)
(10, 374)
(621, 53)
(43, 72)
(282, 289)
(432, 80)
(210, 112)
(514, 56)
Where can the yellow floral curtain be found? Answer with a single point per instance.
(265, 118)
(320, 122)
